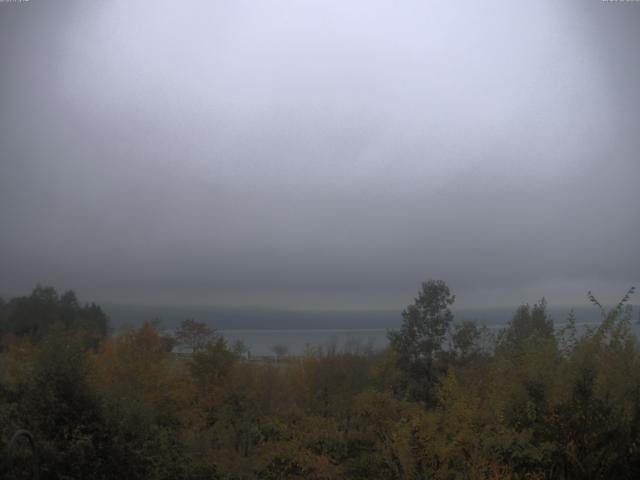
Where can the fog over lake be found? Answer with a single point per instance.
(319, 155)
(261, 330)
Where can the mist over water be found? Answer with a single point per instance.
(319, 154)
(302, 331)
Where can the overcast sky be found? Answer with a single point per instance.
(320, 154)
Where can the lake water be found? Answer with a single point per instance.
(261, 342)
(262, 329)
(298, 341)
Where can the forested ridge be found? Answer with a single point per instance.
(445, 399)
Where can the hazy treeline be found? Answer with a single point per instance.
(444, 400)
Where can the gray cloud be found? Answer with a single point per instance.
(315, 154)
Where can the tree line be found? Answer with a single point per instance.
(444, 400)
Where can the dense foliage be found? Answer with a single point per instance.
(445, 400)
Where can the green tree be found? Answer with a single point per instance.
(59, 406)
(528, 322)
(466, 340)
(418, 344)
(194, 335)
(211, 365)
(34, 315)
